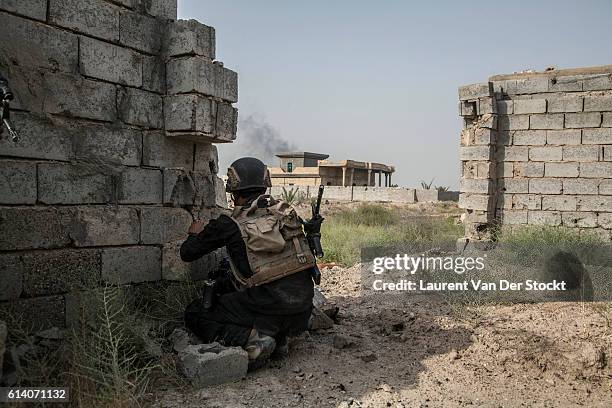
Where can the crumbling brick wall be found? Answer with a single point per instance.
(536, 149)
(118, 106)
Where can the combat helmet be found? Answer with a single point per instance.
(247, 173)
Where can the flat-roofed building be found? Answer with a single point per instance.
(311, 169)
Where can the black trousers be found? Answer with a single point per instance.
(230, 321)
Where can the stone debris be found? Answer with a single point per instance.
(210, 364)
(341, 341)
(319, 320)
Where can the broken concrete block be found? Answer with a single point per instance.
(162, 151)
(319, 320)
(189, 37)
(210, 364)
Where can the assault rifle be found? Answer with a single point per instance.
(312, 228)
(5, 97)
(216, 277)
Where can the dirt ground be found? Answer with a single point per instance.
(398, 350)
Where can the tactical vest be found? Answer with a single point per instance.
(275, 242)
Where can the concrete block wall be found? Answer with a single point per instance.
(118, 105)
(536, 150)
(371, 194)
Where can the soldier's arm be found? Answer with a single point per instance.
(212, 236)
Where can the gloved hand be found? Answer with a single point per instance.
(313, 225)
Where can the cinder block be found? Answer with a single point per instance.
(475, 91)
(11, 276)
(140, 186)
(227, 122)
(526, 202)
(164, 9)
(528, 169)
(597, 136)
(74, 184)
(529, 137)
(598, 103)
(566, 83)
(47, 47)
(18, 182)
(564, 137)
(78, 97)
(161, 151)
(206, 159)
(513, 153)
(164, 224)
(154, 74)
(36, 9)
(546, 121)
(28, 227)
(513, 122)
(505, 107)
(475, 153)
(200, 75)
(141, 32)
(174, 269)
(189, 188)
(607, 153)
(582, 120)
(531, 85)
(93, 17)
(486, 106)
(101, 60)
(552, 218)
(189, 112)
(604, 220)
(559, 202)
(601, 169)
(545, 186)
(598, 83)
(561, 169)
(504, 137)
(595, 203)
(546, 153)
(474, 202)
(39, 138)
(580, 186)
(106, 145)
(607, 120)
(189, 37)
(513, 217)
(581, 153)
(512, 185)
(564, 104)
(605, 187)
(55, 272)
(140, 108)
(529, 106)
(210, 364)
(131, 264)
(105, 225)
(579, 219)
(481, 186)
(40, 313)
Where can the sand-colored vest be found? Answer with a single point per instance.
(275, 242)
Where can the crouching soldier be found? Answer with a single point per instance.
(272, 268)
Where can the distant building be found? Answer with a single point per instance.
(310, 169)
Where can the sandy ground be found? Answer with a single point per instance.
(418, 351)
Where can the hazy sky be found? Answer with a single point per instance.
(377, 80)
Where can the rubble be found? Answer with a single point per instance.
(210, 364)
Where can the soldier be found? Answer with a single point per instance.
(272, 267)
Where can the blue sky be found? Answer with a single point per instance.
(377, 80)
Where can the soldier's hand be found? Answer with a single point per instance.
(313, 225)
(196, 227)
